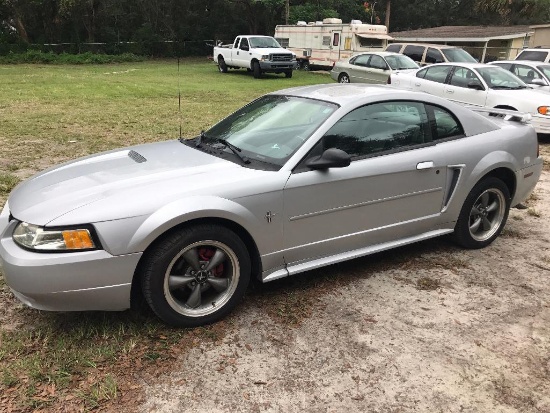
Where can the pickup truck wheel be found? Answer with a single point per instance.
(343, 78)
(483, 214)
(195, 276)
(288, 73)
(257, 70)
(221, 65)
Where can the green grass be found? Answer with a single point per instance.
(49, 114)
(53, 113)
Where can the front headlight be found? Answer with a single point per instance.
(37, 238)
(265, 58)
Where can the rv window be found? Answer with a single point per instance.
(347, 45)
(326, 40)
(370, 42)
(336, 40)
(283, 42)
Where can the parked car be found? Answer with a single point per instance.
(426, 54)
(295, 180)
(536, 54)
(479, 84)
(372, 67)
(535, 74)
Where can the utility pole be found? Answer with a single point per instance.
(287, 10)
(388, 7)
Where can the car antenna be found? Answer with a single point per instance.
(179, 95)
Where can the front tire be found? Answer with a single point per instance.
(483, 214)
(196, 276)
(343, 78)
(257, 70)
(288, 74)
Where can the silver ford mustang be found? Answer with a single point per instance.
(293, 181)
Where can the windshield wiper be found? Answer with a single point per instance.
(235, 149)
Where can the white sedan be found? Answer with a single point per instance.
(479, 84)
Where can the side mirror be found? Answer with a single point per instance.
(331, 158)
(538, 82)
(475, 85)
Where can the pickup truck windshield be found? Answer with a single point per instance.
(261, 42)
(273, 127)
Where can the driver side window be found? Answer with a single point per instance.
(379, 129)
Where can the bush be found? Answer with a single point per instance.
(37, 56)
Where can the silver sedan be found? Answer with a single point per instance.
(293, 181)
(374, 67)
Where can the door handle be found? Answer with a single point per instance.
(417, 84)
(424, 165)
(237, 52)
(450, 91)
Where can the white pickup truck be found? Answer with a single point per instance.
(258, 54)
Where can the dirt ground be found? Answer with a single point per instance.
(426, 328)
(435, 329)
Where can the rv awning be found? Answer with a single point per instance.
(374, 36)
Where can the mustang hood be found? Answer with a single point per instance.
(134, 180)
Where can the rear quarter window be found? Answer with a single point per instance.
(536, 55)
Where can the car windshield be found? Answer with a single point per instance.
(273, 127)
(401, 62)
(545, 69)
(499, 78)
(458, 55)
(268, 42)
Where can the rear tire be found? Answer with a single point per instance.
(256, 69)
(304, 65)
(483, 214)
(221, 65)
(195, 276)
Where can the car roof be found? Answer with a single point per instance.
(355, 94)
(523, 62)
(383, 54)
(535, 49)
(463, 64)
(440, 46)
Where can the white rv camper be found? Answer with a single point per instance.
(325, 42)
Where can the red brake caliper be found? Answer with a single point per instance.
(205, 253)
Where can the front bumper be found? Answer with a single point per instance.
(541, 123)
(268, 66)
(75, 281)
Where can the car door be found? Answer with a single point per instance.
(460, 87)
(358, 68)
(432, 79)
(393, 188)
(242, 53)
(377, 70)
